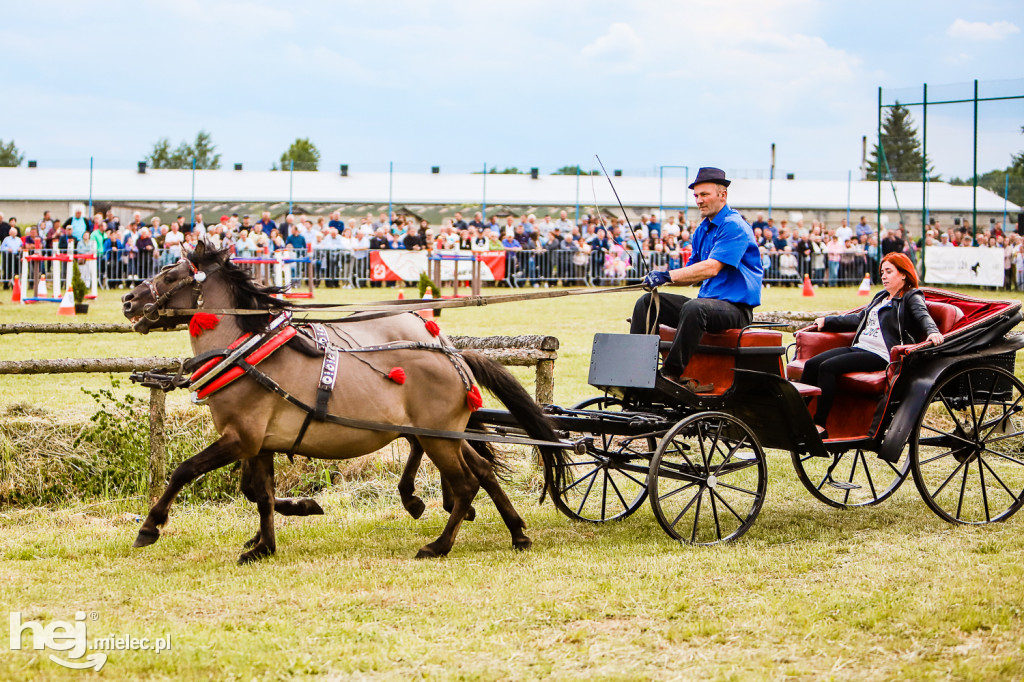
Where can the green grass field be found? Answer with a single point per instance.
(810, 592)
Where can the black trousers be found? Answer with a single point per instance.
(691, 317)
(823, 370)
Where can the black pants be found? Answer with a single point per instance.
(823, 370)
(691, 317)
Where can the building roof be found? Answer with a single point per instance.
(45, 184)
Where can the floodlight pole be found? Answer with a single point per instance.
(391, 176)
(291, 177)
(924, 176)
(878, 175)
(90, 189)
(483, 211)
(661, 182)
(578, 195)
(193, 220)
(974, 214)
(771, 181)
(1006, 192)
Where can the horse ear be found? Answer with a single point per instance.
(200, 249)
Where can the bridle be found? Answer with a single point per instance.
(195, 278)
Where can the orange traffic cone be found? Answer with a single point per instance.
(401, 294)
(67, 304)
(41, 290)
(808, 289)
(428, 313)
(16, 294)
(865, 286)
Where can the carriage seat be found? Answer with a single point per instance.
(718, 353)
(811, 343)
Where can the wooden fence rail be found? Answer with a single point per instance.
(539, 352)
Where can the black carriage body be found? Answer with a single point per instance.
(643, 436)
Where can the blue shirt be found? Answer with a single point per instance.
(728, 239)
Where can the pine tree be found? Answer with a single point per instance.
(901, 149)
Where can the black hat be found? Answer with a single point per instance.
(716, 175)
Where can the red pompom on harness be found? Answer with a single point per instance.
(473, 399)
(201, 322)
(397, 375)
(432, 328)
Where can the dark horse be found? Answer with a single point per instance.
(254, 422)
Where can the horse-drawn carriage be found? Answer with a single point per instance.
(951, 414)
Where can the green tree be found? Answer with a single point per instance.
(304, 153)
(203, 151)
(574, 170)
(901, 148)
(511, 170)
(9, 155)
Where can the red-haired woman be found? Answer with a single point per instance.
(896, 315)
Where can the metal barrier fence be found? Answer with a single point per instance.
(347, 269)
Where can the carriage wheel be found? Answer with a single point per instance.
(708, 478)
(967, 452)
(852, 478)
(608, 481)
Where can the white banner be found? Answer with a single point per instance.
(964, 265)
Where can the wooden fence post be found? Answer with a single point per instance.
(157, 445)
(545, 389)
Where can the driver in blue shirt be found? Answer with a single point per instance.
(725, 262)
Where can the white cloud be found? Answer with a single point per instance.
(619, 46)
(979, 30)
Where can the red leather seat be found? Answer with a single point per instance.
(721, 352)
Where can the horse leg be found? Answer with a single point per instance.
(448, 502)
(247, 484)
(485, 474)
(407, 484)
(221, 452)
(258, 486)
(447, 456)
(285, 506)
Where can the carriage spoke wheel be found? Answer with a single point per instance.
(609, 481)
(707, 480)
(967, 452)
(852, 478)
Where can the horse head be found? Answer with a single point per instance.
(176, 286)
(179, 287)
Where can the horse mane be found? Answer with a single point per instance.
(247, 293)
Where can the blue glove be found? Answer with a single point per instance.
(655, 278)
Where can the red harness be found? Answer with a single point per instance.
(231, 373)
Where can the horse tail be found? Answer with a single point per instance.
(524, 408)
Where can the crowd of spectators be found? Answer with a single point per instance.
(593, 248)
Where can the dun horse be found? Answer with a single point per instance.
(392, 371)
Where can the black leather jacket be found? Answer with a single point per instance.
(906, 321)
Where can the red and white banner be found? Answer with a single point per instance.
(400, 265)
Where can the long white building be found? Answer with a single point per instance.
(27, 192)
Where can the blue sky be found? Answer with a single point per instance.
(524, 83)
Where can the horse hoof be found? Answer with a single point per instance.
(415, 507)
(471, 514)
(522, 545)
(254, 555)
(146, 538)
(251, 542)
(312, 508)
(427, 553)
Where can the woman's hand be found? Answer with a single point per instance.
(819, 323)
(934, 339)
